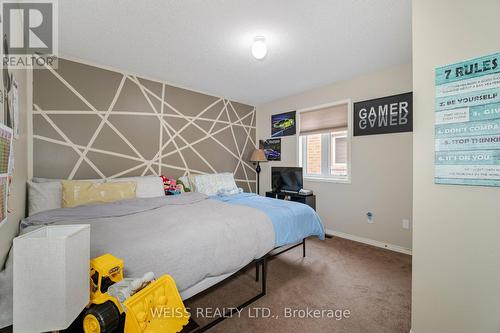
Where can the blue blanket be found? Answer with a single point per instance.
(292, 221)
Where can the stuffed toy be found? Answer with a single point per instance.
(184, 187)
(171, 187)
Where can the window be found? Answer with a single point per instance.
(338, 167)
(313, 156)
(324, 143)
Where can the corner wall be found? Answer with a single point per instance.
(381, 164)
(456, 270)
(17, 198)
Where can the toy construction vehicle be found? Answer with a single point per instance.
(131, 305)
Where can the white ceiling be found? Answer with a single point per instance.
(205, 45)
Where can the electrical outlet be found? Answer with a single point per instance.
(406, 224)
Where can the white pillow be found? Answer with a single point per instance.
(147, 186)
(212, 183)
(43, 196)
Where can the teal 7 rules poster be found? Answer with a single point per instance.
(467, 127)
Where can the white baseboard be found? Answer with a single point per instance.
(368, 241)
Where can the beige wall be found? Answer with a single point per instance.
(381, 164)
(456, 270)
(17, 198)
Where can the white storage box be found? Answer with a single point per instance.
(51, 277)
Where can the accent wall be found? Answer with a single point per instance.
(103, 123)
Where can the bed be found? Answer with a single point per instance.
(199, 240)
(192, 237)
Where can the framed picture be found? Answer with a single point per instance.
(272, 148)
(391, 114)
(283, 124)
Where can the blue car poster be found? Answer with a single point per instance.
(467, 126)
(283, 124)
(272, 149)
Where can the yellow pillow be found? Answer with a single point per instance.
(76, 193)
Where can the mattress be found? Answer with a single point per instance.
(203, 285)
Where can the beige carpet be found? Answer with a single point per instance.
(373, 284)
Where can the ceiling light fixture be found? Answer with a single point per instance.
(259, 48)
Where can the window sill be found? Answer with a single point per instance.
(327, 180)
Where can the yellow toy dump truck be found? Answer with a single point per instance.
(156, 308)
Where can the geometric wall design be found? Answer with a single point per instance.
(90, 122)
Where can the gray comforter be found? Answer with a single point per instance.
(189, 237)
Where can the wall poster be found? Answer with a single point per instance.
(467, 126)
(283, 124)
(391, 114)
(272, 148)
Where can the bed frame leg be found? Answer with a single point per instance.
(264, 276)
(303, 248)
(257, 264)
(229, 312)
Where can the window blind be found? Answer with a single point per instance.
(332, 118)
